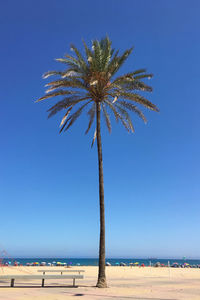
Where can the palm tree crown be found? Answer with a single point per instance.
(89, 80)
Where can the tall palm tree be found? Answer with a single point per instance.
(89, 82)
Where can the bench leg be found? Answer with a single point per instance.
(12, 282)
(73, 281)
(42, 282)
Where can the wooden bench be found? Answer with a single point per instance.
(43, 277)
(61, 271)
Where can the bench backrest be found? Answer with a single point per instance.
(71, 276)
(70, 271)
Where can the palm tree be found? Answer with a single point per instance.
(89, 82)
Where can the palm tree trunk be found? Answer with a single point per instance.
(101, 283)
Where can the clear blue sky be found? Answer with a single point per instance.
(49, 182)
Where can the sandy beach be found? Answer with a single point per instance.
(124, 283)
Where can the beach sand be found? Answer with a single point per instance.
(124, 283)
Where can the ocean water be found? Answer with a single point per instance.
(94, 261)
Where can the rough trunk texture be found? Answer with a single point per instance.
(101, 283)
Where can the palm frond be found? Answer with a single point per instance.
(130, 84)
(57, 93)
(90, 58)
(131, 74)
(124, 122)
(72, 63)
(124, 78)
(122, 115)
(113, 63)
(81, 60)
(141, 86)
(149, 76)
(124, 56)
(97, 55)
(121, 59)
(73, 83)
(107, 118)
(139, 71)
(130, 77)
(107, 52)
(88, 52)
(65, 116)
(91, 114)
(125, 114)
(72, 73)
(133, 108)
(74, 117)
(115, 99)
(139, 99)
(112, 107)
(52, 73)
(65, 103)
(94, 138)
